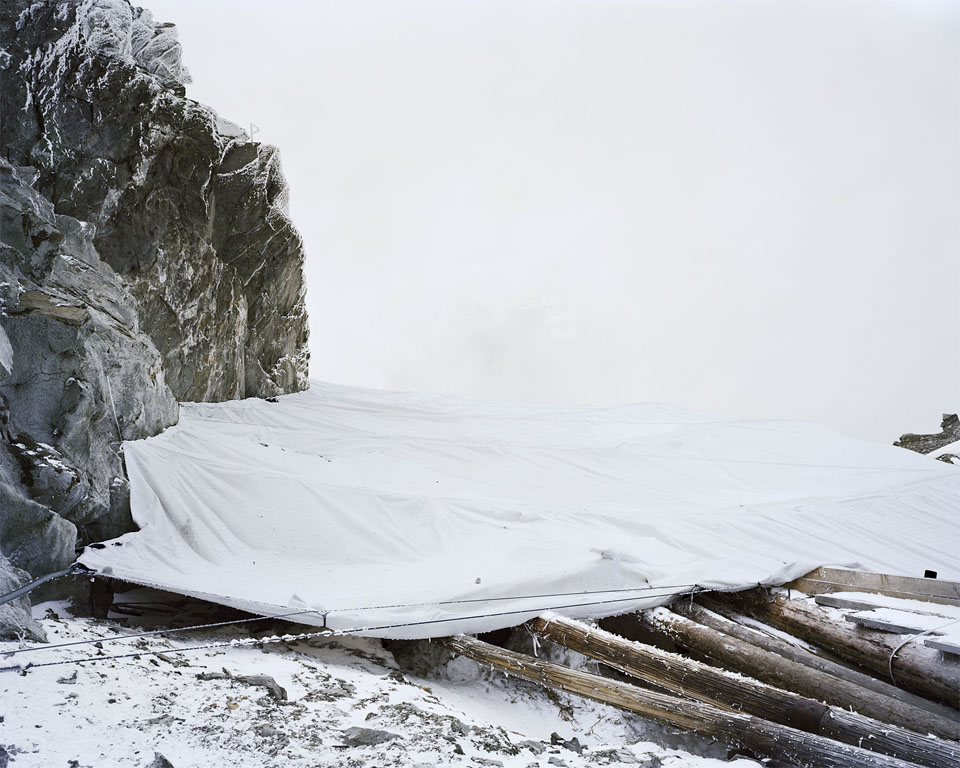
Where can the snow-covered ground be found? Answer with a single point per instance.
(194, 710)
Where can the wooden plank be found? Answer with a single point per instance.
(733, 728)
(866, 602)
(723, 619)
(774, 669)
(686, 677)
(843, 602)
(947, 645)
(898, 623)
(917, 669)
(825, 580)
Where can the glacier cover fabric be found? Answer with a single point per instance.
(405, 515)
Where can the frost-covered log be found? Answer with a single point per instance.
(702, 682)
(773, 669)
(795, 747)
(916, 668)
(723, 619)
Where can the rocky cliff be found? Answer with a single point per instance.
(146, 258)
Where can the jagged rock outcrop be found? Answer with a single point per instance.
(82, 376)
(146, 257)
(949, 433)
(77, 376)
(187, 210)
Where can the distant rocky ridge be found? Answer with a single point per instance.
(146, 258)
(949, 433)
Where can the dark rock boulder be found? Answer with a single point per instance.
(16, 623)
(949, 433)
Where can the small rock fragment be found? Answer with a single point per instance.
(573, 744)
(396, 676)
(214, 675)
(534, 746)
(364, 737)
(161, 720)
(276, 690)
(159, 761)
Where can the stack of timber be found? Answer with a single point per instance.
(799, 680)
(895, 653)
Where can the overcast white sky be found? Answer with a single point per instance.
(749, 208)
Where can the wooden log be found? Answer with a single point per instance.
(825, 580)
(917, 668)
(686, 677)
(723, 619)
(773, 669)
(733, 728)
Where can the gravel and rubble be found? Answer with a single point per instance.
(322, 702)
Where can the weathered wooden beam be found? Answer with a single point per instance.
(825, 580)
(897, 622)
(702, 682)
(774, 669)
(867, 602)
(917, 668)
(734, 728)
(947, 645)
(724, 619)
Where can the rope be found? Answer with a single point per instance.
(209, 646)
(910, 640)
(325, 613)
(21, 591)
(518, 597)
(7, 654)
(113, 406)
(303, 636)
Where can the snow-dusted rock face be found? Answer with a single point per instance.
(146, 257)
(77, 375)
(187, 210)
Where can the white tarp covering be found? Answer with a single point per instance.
(406, 515)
